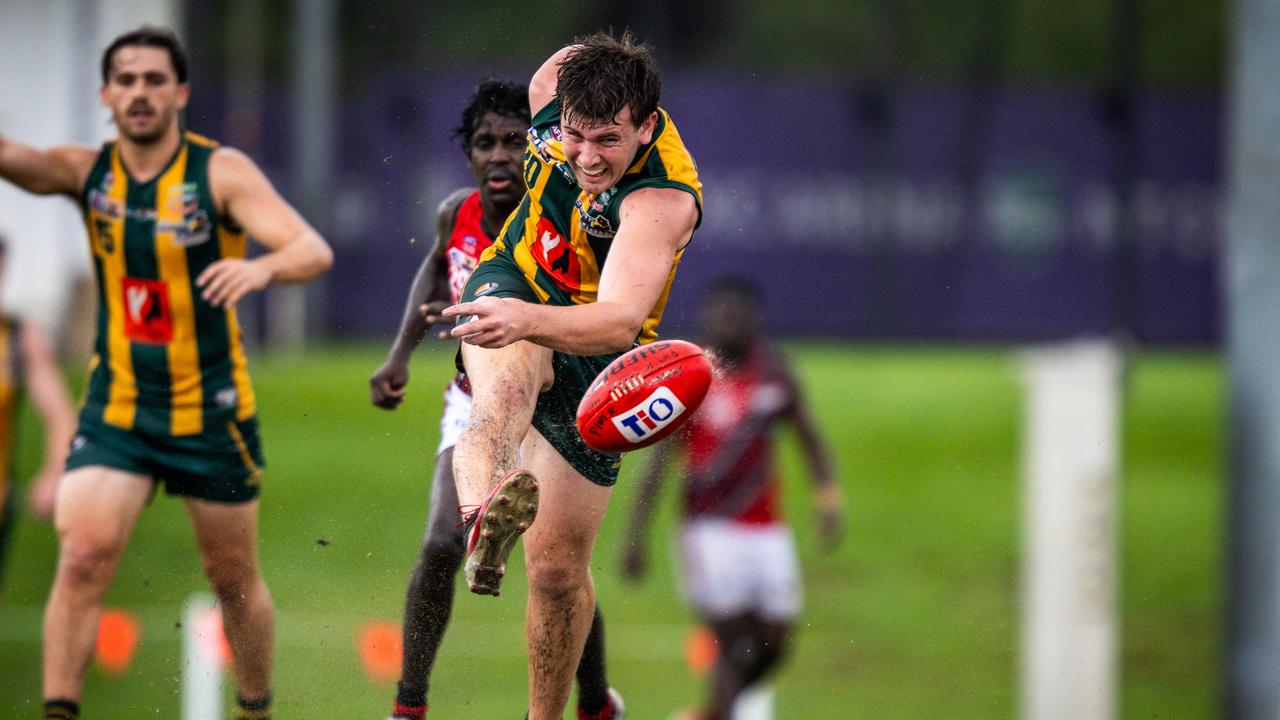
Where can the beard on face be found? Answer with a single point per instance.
(145, 137)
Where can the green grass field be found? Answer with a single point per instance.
(915, 616)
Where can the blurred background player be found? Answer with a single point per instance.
(29, 366)
(169, 400)
(581, 272)
(493, 134)
(739, 562)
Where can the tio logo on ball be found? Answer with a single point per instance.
(652, 414)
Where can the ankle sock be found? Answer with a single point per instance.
(61, 710)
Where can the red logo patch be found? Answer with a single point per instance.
(557, 256)
(146, 311)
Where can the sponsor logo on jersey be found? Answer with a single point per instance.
(556, 255)
(542, 148)
(103, 204)
(460, 265)
(192, 226)
(652, 414)
(191, 230)
(486, 288)
(146, 311)
(226, 397)
(594, 214)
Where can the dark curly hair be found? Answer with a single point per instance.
(603, 74)
(503, 97)
(148, 36)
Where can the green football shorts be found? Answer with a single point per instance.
(222, 464)
(555, 415)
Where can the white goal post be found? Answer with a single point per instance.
(1070, 456)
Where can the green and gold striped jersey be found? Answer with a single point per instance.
(560, 235)
(165, 361)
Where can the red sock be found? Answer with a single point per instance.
(409, 712)
(605, 713)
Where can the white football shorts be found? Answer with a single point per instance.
(457, 408)
(730, 568)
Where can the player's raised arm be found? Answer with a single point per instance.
(635, 553)
(297, 252)
(542, 88)
(58, 170)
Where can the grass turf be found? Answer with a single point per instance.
(914, 616)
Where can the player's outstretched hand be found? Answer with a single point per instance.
(224, 282)
(635, 563)
(492, 322)
(830, 529)
(433, 314)
(831, 523)
(386, 386)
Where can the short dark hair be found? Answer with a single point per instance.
(603, 74)
(148, 36)
(502, 97)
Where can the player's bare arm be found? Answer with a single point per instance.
(830, 503)
(655, 224)
(48, 392)
(245, 195)
(542, 88)
(635, 554)
(428, 296)
(54, 171)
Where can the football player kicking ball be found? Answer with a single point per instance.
(493, 131)
(579, 274)
(740, 570)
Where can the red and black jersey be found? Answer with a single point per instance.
(729, 442)
(466, 241)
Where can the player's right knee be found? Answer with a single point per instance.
(554, 577)
(87, 560)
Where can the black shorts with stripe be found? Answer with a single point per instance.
(555, 414)
(222, 464)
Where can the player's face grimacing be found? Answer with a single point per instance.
(600, 153)
(143, 93)
(496, 150)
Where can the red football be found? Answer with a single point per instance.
(644, 396)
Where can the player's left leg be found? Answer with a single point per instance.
(770, 641)
(429, 597)
(227, 538)
(596, 700)
(737, 648)
(557, 555)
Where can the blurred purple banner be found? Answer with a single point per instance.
(923, 213)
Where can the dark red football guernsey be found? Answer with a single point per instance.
(466, 241)
(731, 468)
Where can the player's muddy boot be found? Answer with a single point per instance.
(495, 525)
